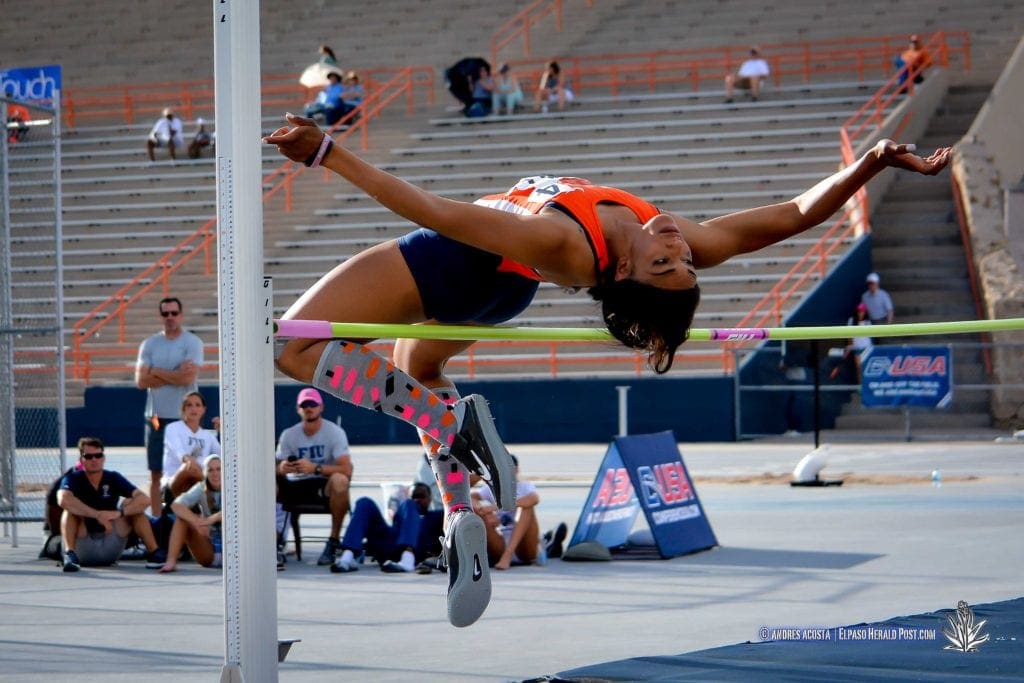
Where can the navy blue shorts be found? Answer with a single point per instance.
(461, 284)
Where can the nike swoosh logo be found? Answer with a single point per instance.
(477, 571)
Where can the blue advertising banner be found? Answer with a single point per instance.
(30, 84)
(907, 376)
(645, 472)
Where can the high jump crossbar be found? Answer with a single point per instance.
(321, 329)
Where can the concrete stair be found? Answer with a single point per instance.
(917, 249)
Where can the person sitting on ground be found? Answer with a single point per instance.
(752, 71)
(329, 103)
(167, 132)
(94, 527)
(398, 546)
(201, 140)
(51, 549)
(551, 88)
(514, 537)
(197, 520)
(507, 91)
(314, 465)
(187, 446)
(483, 93)
(639, 261)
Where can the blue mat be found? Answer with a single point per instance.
(900, 649)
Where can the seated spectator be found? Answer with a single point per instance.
(18, 117)
(352, 92)
(327, 56)
(483, 89)
(197, 520)
(397, 547)
(749, 76)
(329, 104)
(201, 140)
(314, 465)
(859, 347)
(551, 88)
(915, 58)
(167, 132)
(514, 537)
(51, 519)
(507, 91)
(94, 528)
(186, 447)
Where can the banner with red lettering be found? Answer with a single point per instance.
(907, 376)
(645, 472)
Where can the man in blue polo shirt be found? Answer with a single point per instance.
(95, 525)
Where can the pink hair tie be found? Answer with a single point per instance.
(325, 147)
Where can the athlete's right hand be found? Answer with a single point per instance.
(297, 141)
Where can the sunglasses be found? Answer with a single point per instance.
(91, 456)
(309, 404)
(170, 314)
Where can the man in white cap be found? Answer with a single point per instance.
(167, 132)
(313, 464)
(202, 139)
(878, 301)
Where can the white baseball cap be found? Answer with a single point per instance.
(873, 277)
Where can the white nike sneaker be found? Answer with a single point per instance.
(469, 579)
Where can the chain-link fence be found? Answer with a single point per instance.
(32, 393)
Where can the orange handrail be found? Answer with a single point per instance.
(855, 216)
(861, 57)
(520, 24)
(115, 306)
(279, 92)
(972, 274)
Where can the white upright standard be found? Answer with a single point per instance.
(246, 352)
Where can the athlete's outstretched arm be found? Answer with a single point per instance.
(542, 241)
(721, 238)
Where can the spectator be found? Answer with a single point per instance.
(859, 347)
(352, 92)
(749, 76)
(186, 447)
(514, 537)
(878, 301)
(483, 92)
(197, 520)
(314, 464)
(327, 56)
(167, 131)
(94, 527)
(638, 260)
(51, 519)
(398, 546)
(915, 58)
(329, 103)
(551, 88)
(18, 117)
(507, 91)
(201, 140)
(167, 368)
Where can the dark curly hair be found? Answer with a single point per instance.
(646, 317)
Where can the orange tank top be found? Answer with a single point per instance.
(576, 197)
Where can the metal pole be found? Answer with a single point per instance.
(58, 211)
(623, 410)
(817, 393)
(737, 397)
(246, 352)
(8, 442)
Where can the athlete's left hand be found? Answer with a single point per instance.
(902, 156)
(297, 141)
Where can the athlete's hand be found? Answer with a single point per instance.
(297, 141)
(902, 156)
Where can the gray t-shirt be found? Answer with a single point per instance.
(323, 448)
(160, 352)
(196, 497)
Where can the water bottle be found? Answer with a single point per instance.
(936, 478)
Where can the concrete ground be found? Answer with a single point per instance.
(886, 543)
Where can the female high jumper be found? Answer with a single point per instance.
(481, 263)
